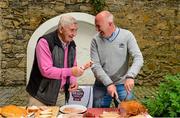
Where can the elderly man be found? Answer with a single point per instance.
(55, 67)
(110, 50)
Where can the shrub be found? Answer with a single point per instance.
(98, 5)
(167, 101)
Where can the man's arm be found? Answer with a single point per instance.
(45, 63)
(73, 79)
(135, 52)
(97, 68)
(99, 72)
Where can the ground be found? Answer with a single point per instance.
(18, 96)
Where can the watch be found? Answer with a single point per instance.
(129, 77)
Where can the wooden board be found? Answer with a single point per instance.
(97, 111)
(55, 111)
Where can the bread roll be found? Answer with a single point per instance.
(32, 109)
(13, 111)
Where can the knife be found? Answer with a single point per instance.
(118, 100)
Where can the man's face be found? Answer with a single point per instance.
(102, 26)
(69, 32)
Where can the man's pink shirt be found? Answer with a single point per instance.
(46, 67)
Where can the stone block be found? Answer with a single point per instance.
(85, 8)
(3, 35)
(4, 4)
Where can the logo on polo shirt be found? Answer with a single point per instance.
(121, 45)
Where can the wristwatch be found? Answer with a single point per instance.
(129, 77)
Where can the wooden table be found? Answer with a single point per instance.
(97, 111)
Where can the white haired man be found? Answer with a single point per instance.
(110, 50)
(55, 67)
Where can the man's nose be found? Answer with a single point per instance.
(74, 34)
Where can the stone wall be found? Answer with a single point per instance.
(155, 24)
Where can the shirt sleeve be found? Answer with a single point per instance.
(45, 62)
(73, 79)
(135, 52)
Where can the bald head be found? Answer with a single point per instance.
(106, 15)
(104, 23)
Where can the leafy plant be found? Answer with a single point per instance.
(98, 5)
(167, 101)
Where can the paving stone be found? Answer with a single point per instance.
(18, 95)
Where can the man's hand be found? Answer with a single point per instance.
(77, 71)
(129, 84)
(73, 87)
(87, 65)
(112, 90)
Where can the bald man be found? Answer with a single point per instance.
(110, 51)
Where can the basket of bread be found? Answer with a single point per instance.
(13, 111)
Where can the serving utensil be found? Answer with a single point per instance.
(118, 100)
(31, 115)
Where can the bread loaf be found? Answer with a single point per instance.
(13, 111)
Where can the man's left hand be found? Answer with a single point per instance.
(73, 87)
(129, 84)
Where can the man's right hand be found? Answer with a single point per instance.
(112, 91)
(77, 71)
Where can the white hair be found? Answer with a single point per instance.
(66, 20)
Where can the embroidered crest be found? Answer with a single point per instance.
(121, 45)
(78, 94)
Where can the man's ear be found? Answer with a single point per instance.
(60, 29)
(110, 23)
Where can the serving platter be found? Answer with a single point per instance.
(13, 111)
(70, 116)
(73, 108)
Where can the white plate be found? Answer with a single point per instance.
(73, 108)
(70, 116)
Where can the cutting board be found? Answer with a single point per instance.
(55, 111)
(98, 111)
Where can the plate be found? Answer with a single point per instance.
(73, 108)
(70, 116)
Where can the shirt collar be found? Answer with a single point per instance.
(65, 45)
(114, 34)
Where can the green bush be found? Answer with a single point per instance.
(166, 102)
(98, 5)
